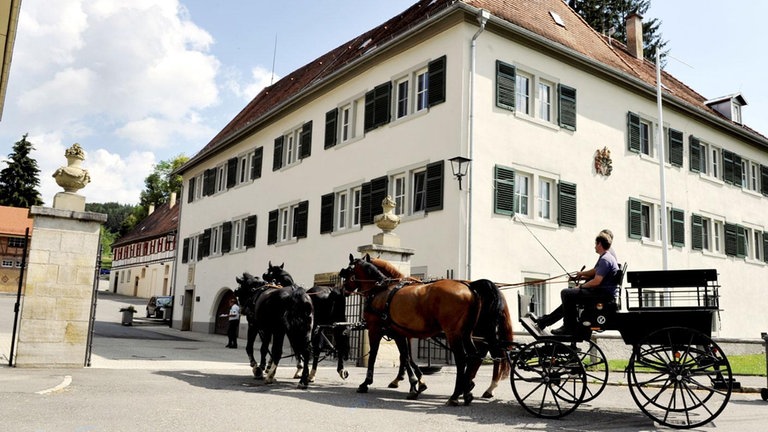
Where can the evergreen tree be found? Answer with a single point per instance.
(604, 15)
(20, 179)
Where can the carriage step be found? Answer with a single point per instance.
(721, 384)
(532, 328)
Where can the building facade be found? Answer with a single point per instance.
(13, 225)
(144, 258)
(562, 129)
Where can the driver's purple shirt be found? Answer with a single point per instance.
(607, 266)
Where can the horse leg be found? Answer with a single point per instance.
(374, 340)
(406, 363)
(266, 338)
(400, 376)
(342, 350)
(252, 332)
(277, 353)
(304, 380)
(316, 338)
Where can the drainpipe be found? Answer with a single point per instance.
(482, 17)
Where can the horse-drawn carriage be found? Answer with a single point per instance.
(677, 374)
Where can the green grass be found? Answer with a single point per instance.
(748, 364)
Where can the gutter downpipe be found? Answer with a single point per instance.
(482, 17)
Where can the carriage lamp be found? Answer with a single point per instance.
(170, 237)
(459, 166)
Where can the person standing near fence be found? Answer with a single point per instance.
(234, 322)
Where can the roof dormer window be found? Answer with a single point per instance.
(729, 106)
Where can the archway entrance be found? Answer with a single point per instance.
(222, 323)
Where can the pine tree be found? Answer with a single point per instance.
(607, 17)
(20, 179)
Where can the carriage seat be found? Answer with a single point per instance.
(598, 315)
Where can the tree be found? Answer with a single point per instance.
(116, 213)
(20, 179)
(162, 182)
(604, 15)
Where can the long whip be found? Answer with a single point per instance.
(542, 245)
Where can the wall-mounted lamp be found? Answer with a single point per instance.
(170, 237)
(459, 166)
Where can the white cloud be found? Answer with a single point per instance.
(259, 79)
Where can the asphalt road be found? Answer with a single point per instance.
(151, 378)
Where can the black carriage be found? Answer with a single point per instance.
(677, 374)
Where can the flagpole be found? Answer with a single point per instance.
(662, 179)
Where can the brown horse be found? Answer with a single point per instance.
(473, 316)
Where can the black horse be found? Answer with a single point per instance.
(275, 312)
(328, 304)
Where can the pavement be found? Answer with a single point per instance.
(150, 344)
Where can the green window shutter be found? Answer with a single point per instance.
(728, 174)
(331, 128)
(226, 237)
(191, 191)
(675, 147)
(301, 220)
(436, 81)
(305, 138)
(764, 180)
(678, 227)
(277, 158)
(231, 172)
(434, 186)
(633, 132)
(504, 190)
(256, 162)
(697, 232)
(731, 239)
(377, 106)
(566, 204)
(765, 246)
(272, 227)
(185, 251)
(326, 213)
(366, 218)
(378, 193)
(736, 169)
(635, 219)
(567, 107)
(694, 148)
(505, 85)
(250, 232)
(209, 182)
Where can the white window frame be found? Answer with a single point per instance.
(285, 221)
(421, 89)
(545, 102)
(193, 244)
(402, 188)
(545, 197)
(536, 289)
(244, 167)
(198, 187)
(646, 137)
(238, 235)
(523, 93)
(418, 190)
(16, 242)
(216, 240)
(8, 263)
(523, 193)
(399, 193)
(346, 122)
(402, 97)
(221, 178)
(342, 210)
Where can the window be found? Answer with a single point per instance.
(545, 101)
(401, 108)
(7, 263)
(639, 219)
(639, 135)
(356, 206)
(292, 146)
(16, 242)
(536, 289)
(758, 245)
(410, 190)
(532, 195)
(243, 171)
(343, 123)
(342, 202)
(674, 153)
(422, 87)
(398, 193)
(199, 186)
(706, 234)
(340, 210)
(750, 175)
(216, 240)
(288, 223)
(221, 178)
(523, 93)
(346, 122)
(419, 191)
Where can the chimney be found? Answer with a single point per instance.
(151, 209)
(172, 201)
(634, 25)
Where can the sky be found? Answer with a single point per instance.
(142, 81)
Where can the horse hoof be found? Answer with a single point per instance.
(394, 384)
(362, 389)
(468, 399)
(487, 395)
(302, 386)
(344, 374)
(421, 388)
(413, 395)
(297, 375)
(452, 402)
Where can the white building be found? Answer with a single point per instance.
(532, 96)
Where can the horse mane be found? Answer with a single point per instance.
(387, 268)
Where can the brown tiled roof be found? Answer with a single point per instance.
(14, 220)
(531, 15)
(162, 221)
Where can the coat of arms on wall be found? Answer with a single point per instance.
(603, 163)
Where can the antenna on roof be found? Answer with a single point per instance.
(274, 55)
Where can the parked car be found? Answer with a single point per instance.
(157, 306)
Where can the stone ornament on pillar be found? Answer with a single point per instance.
(72, 178)
(387, 222)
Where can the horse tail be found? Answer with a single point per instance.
(494, 324)
(299, 316)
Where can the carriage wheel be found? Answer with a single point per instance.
(596, 369)
(679, 377)
(548, 379)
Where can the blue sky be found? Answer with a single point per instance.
(141, 81)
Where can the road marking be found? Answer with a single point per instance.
(64, 384)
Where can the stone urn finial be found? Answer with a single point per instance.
(72, 177)
(388, 220)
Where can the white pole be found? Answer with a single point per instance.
(662, 180)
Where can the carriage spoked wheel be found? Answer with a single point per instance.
(595, 368)
(679, 377)
(548, 379)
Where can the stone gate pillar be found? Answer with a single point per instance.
(56, 310)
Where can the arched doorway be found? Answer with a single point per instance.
(222, 322)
